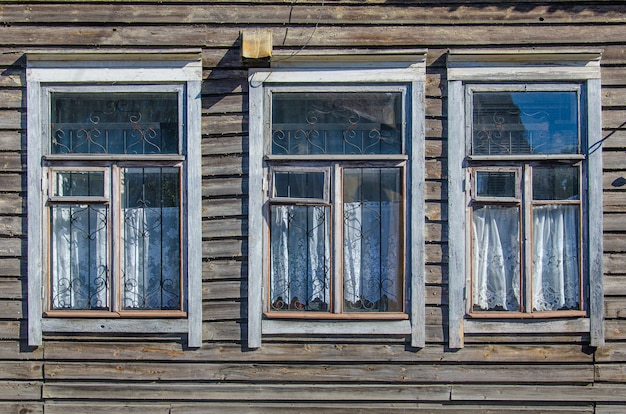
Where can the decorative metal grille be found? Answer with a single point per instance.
(80, 272)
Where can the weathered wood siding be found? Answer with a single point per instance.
(493, 373)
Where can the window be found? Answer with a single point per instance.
(525, 214)
(113, 238)
(525, 147)
(338, 164)
(336, 223)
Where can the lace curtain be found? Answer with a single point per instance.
(555, 258)
(150, 259)
(300, 257)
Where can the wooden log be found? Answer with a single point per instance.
(523, 393)
(244, 392)
(21, 408)
(611, 373)
(20, 391)
(225, 165)
(611, 353)
(303, 13)
(20, 370)
(321, 373)
(106, 408)
(614, 263)
(316, 352)
(12, 226)
(12, 267)
(224, 207)
(224, 269)
(220, 187)
(225, 145)
(11, 182)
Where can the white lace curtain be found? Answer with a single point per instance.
(301, 264)
(150, 258)
(555, 258)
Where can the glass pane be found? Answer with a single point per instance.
(496, 184)
(79, 251)
(496, 258)
(373, 245)
(337, 123)
(299, 185)
(300, 258)
(78, 184)
(525, 123)
(114, 123)
(556, 257)
(556, 183)
(151, 261)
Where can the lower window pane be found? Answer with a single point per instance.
(150, 239)
(496, 258)
(79, 257)
(372, 240)
(300, 258)
(556, 257)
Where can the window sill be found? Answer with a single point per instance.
(526, 326)
(522, 315)
(335, 327)
(115, 315)
(79, 325)
(352, 316)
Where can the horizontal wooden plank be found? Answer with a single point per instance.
(340, 407)
(12, 309)
(321, 373)
(12, 226)
(302, 13)
(614, 139)
(214, 249)
(614, 263)
(220, 187)
(20, 370)
(12, 288)
(615, 330)
(611, 352)
(11, 182)
(613, 243)
(19, 350)
(615, 307)
(615, 285)
(225, 165)
(20, 391)
(12, 204)
(529, 393)
(315, 352)
(242, 392)
(611, 373)
(386, 35)
(225, 145)
(224, 269)
(224, 207)
(12, 267)
(106, 408)
(224, 227)
(21, 407)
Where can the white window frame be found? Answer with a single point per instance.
(136, 71)
(406, 71)
(514, 67)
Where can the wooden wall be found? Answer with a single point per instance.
(493, 373)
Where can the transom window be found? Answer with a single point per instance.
(525, 174)
(114, 202)
(336, 203)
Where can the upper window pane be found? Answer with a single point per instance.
(507, 123)
(114, 123)
(337, 123)
(79, 183)
(299, 184)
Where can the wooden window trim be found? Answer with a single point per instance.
(137, 71)
(409, 74)
(511, 67)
